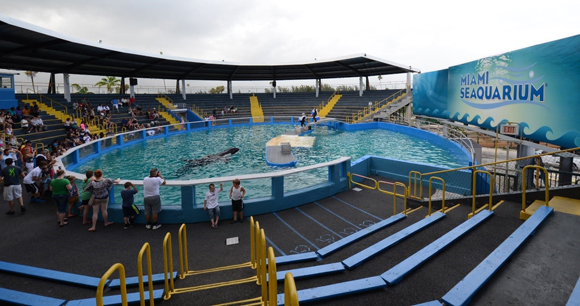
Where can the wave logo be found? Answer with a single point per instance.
(501, 91)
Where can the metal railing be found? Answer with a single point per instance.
(146, 249)
(375, 107)
(523, 214)
(323, 104)
(104, 279)
(431, 193)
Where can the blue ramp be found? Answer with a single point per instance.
(134, 281)
(575, 296)
(388, 242)
(336, 290)
(396, 273)
(462, 293)
(431, 303)
(63, 277)
(335, 246)
(288, 259)
(23, 298)
(311, 271)
(111, 300)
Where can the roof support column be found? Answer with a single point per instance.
(183, 93)
(132, 90)
(51, 84)
(230, 89)
(177, 90)
(122, 87)
(360, 86)
(66, 82)
(317, 87)
(408, 82)
(274, 89)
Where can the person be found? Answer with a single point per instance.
(115, 104)
(314, 114)
(237, 195)
(99, 189)
(8, 153)
(28, 156)
(130, 210)
(211, 204)
(303, 120)
(86, 196)
(73, 195)
(60, 188)
(12, 188)
(151, 198)
(37, 174)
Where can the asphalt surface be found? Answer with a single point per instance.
(544, 269)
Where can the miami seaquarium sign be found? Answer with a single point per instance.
(536, 87)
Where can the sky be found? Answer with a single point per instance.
(429, 35)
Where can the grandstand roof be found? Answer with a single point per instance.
(24, 46)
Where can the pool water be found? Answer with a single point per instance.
(167, 154)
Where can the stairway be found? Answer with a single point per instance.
(256, 109)
(329, 106)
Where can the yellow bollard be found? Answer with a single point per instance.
(272, 278)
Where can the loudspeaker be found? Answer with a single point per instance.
(133, 81)
(274, 84)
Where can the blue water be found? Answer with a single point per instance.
(167, 154)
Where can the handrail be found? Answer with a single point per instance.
(377, 106)
(104, 279)
(272, 283)
(146, 248)
(547, 192)
(430, 193)
(264, 267)
(414, 195)
(323, 104)
(395, 194)
(51, 105)
(473, 187)
(252, 243)
(168, 265)
(182, 238)
(258, 259)
(290, 294)
(350, 175)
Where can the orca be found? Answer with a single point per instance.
(221, 156)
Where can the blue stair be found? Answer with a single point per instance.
(63, 277)
(462, 293)
(431, 303)
(575, 296)
(134, 281)
(311, 271)
(335, 246)
(23, 298)
(396, 273)
(112, 300)
(337, 290)
(288, 259)
(388, 242)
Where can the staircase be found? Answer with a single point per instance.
(330, 105)
(50, 110)
(256, 109)
(394, 106)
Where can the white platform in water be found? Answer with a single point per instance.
(295, 141)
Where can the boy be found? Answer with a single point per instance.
(130, 210)
(211, 203)
(237, 195)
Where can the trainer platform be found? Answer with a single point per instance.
(560, 204)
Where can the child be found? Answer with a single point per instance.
(237, 195)
(130, 210)
(73, 196)
(211, 203)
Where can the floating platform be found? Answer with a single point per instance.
(294, 140)
(275, 156)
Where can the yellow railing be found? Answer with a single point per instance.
(263, 266)
(60, 114)
(474, 167)
(39, 146)
(375, 107)
(351, 181)
(252, 243)
(290, 294)
(430, 193)
(169, 100)
(273, 281)
(414, 184)
(322, 104)
(523, 214)
(146, 248)
(104, 279)
(395, 194)
(183, 264)
(491, 186)
(168, 267)
(200, 112)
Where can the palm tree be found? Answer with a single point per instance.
(80, 89)
(31, 75)
(110, 82)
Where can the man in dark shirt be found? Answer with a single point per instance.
(12, 188)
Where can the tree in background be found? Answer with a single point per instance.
(118, 89)
(110, 82)
(217, 90)
(78, 89)
(31, 75)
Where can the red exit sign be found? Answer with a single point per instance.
(510, 129)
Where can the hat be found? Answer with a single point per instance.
(27, 141)
(8, 161)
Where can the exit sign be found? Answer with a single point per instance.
(510, 129)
